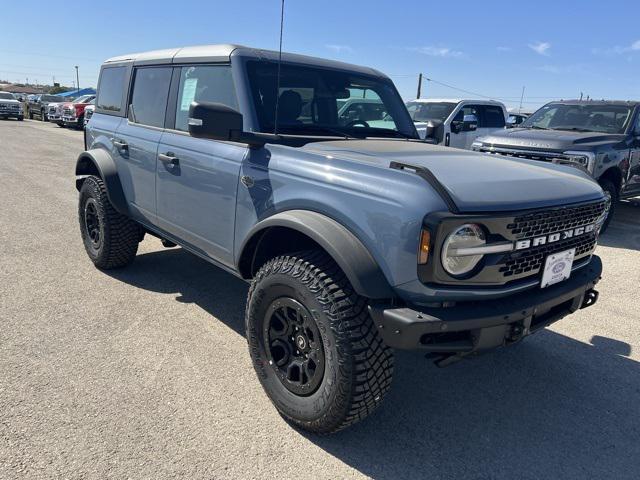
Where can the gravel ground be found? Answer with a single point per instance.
(144, 372)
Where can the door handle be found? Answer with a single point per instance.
(169, 159)
(119, 144)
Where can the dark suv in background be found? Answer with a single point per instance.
(601, 138)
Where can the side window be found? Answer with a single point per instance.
(110, 89)
(491, 117)
(149, 98)
(637, 129)
(203, 83)
(468, 110)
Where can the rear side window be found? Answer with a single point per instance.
(491, 117)
(110, 89)
(204, 83)
(149, 97)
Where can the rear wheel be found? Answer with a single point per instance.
(20, 118)
(30, 115)
(43, 116)
(313, 344)
(612, 192)
(110, 238)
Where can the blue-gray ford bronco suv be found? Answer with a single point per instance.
(356, 238)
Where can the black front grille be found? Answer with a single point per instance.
(558, 220)
(530, 261)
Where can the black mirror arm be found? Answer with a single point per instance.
(253, 139)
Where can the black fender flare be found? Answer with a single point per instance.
(344, 247)
(100, 162)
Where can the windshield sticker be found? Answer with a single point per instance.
(188, 93)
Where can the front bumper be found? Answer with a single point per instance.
(475, 326)
(71, 120)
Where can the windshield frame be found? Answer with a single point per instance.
(405, 127)
(532, 122)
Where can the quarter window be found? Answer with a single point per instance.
(110, 89)
(204, 83)
(149, 98)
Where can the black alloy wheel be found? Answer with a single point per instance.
(92, 223)
(294, 346)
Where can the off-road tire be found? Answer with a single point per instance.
(358, 366)
(610, 188)
(119, 235)
(30, 115)
(43, 116)
(21, 118)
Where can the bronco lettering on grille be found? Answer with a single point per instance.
(554, 237)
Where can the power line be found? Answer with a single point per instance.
(476, 94)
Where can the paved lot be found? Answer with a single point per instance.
(144, 372)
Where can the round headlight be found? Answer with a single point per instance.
(455, 260)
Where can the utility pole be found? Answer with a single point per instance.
(521, 99)
(77, 79)
(581, 94)
(419, 85)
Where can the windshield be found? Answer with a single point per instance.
(6, 96)
(422, 111)
(83, 99)
(322, 102)
(604, 118)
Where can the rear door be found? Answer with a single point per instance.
(197, 179)
(490, 118)
(137, 137)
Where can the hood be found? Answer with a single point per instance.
(556, 140)
(9, 101)
(476, 182)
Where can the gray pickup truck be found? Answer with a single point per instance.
(600, 137)
(356, 239)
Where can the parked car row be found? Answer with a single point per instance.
(70, 114)
(59, 110)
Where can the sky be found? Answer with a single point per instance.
(554, 49)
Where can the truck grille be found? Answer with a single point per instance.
(529, 262)
(528, 154)
(67, 111)
(543, 223)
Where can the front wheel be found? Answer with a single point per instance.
(313, 344)
(612, 192)
(110, 238)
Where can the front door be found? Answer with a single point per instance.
(136, 140)
(197, 179)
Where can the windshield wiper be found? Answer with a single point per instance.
(572, 129)
(305, 129)
(536, 127)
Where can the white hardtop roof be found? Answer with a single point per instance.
(214, 53)
(223, 52)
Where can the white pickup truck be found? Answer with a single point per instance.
(456, 122)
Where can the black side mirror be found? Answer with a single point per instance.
(470, 123)
(216, 121)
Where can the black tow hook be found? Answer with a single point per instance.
(590, 297)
